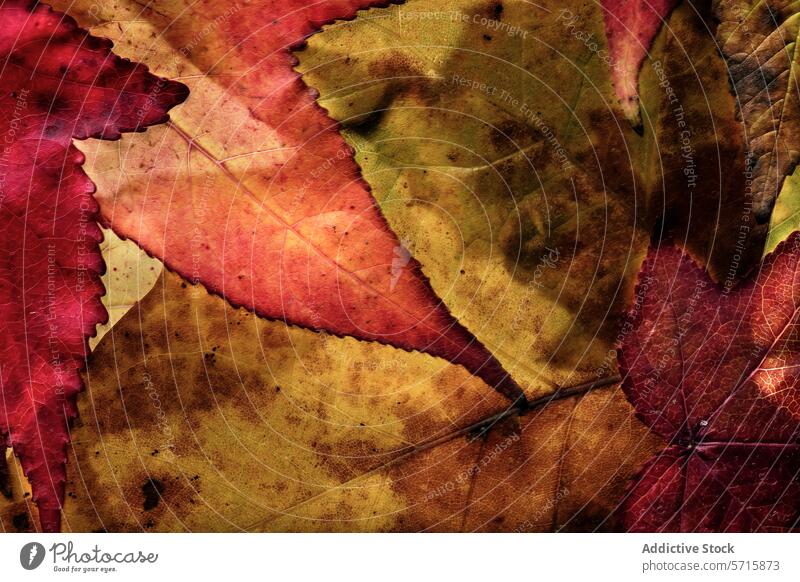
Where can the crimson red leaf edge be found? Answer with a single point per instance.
(711, 371)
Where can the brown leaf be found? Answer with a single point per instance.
(759, 41)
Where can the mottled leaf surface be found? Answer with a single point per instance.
(504, 161)
(786, 214)
(493, 141)
(129, 276)
(759, 41)
(201, 417)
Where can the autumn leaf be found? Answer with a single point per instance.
(489, 173)
(496, 140)
(630, 30)
(153, 488)
(201, 417)
(786, 214)
(17, 512)
(759, 41)
(129, 276)
(713, 372)
(695, 163)
(505, 139)
(278, 217)
(57, 83)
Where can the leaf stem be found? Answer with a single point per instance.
(475, 430)
(482, 427)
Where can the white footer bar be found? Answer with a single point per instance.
(400, 557)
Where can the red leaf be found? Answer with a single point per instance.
(297, 235)
(715, 373)
(56, 83)
(631, 27)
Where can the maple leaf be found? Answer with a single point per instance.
(280, 220)
(630, 29)
(715, 372)
(57, 83)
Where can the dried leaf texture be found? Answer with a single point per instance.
(494, 139)
(714, 373)
(759, 41)
(56, 83)
(494, 143)
(251, 190)
(476, 126)
(786, 215)
(200, 417)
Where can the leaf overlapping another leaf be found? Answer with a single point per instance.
(251, 190)
(201, 417)
(483, 158)
(786, 214)
(631, 27)
(56, 83)
(759, 41)
(492, 138)
(512, 146)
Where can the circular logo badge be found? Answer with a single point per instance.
(31, 555)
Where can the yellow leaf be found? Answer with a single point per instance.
(200, 417)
